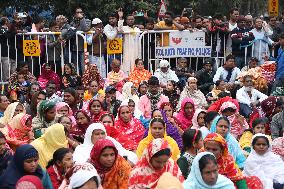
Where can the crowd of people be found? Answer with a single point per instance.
(130, 128)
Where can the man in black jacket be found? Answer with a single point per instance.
(205, 76)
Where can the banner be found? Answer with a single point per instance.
(31, 48)
(114, 46)
(273, 6)
(185, 44)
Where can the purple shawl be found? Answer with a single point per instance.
(172, 131)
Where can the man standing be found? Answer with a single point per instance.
(234, 14)
(241, 39)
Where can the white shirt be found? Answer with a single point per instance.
(221, 74)
(110, 32)
(165, 77)
(243, 97)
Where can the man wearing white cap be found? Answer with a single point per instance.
(165, 74)
(96, 47)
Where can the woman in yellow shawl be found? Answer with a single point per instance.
(157, 129)
(53, 138)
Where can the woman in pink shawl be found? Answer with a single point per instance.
(186, 113)
(47, 74)
(63, 109)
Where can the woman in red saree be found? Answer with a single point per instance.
(47, 74)
(96, 110)
(113, 169)
(131, 129)
(216, 144)
(149, 168)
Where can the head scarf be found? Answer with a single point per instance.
(195, 180)
(167, 180)
(90, 75)
(48, 76)
(53, 138)
(60, 105)
(144, 175)
(81, 173)
(80, 129)
(267, 167)
(233, 145)
(71, 80)
(186, 121)
(82, 152)
(278, 146)
(138, 76)
(195, 124)
(268, 106)
(29, 182)
(15, 169)
(126, 92)
(131, 133)
(96, 118)
(146, 141)
(43, 107)
(9, 113)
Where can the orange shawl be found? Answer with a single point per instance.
(137, 76)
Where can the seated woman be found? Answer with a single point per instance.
(155, 161)
(268, 108)
(113, 169)
(130, 129)
(264, 164)
(58, 166)
(108, 121)
(238, 123)
(45, 118)
(20, 130)
(48, 74)
(63, 109)
(133, 107)
(53, 138)
(11, 111)
(198, 119)
(96, 110)
(139, 73)
(157, 129)
(258, 126)
(221, 125)
(69, 77)
(6, 154)
(192, 142)
(116, 77)
(25, 162)
(186, 113)
(171, 130)
(216, 144)
(142, 88)
(203, 164)
(92, 74)
(171, 92)
(35, 100)
(83, 121)
(95, 132)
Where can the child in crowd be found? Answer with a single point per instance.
(208, 119)
(192, 142)
(198, 119)
(18, 89)
(116, 77)
(258, 126)
(183, 71)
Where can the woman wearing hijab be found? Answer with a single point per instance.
(12, 110)
(149, 168)
(83, 121)
(53, 138)
(198, 178)
(113, 169)
(20, 130)
(264, 164)
(45, 117)
(157, 129)
(30, 181)
(191, 91)
(95, 132)
(47, 74)
(70, 78)
(130, 129)
(63, 109)
(216, 144)
(221, 125)
(25, 162)
(92, 74)
(171, 130)
(139, 73)
(129, 92)
(186, 113)
(238, 123)
(96, 110)
(198, 119)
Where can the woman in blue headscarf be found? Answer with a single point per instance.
(221, 125)
(24, 162)
(204, 163)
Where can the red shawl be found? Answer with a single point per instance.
(186, 121)
(96, 117)
(46, 76)
(131, 133)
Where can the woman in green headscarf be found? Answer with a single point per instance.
(45, 117)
